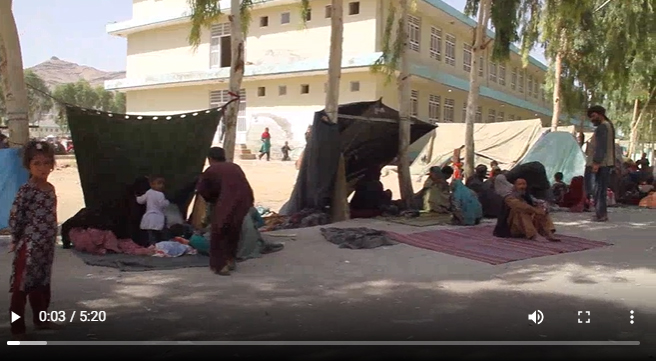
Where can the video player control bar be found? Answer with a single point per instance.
(325, 343)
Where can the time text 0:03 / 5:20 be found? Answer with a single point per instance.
(71, 316)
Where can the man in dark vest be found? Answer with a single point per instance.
(603, 159)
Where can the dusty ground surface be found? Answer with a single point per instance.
(314, 291)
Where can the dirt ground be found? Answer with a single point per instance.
(313, 290)
(272, 183)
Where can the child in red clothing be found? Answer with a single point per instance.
(33, 225)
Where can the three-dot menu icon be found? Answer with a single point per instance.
(632, 317)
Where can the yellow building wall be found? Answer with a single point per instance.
(167, 50)
(287, 115)
(430, 17)
(425, 88)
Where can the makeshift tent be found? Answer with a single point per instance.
(505, 142)
(12, 176)
(558, 152)
(367, 133)
(113, 150)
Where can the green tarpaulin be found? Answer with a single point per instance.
(112, 150)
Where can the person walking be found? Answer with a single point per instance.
(603, 159)
(265, 149)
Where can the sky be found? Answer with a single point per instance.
(74, 30)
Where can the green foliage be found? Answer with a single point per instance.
(82, 94)
(390, 59)
(39, 102)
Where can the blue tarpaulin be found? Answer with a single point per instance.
(12, 176)
(558, 152)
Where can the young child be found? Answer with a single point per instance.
(33, 225)
(285, 152)
(154, 221)
(559, 188)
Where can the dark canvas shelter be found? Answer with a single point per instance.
(114, 150)
(367, 133)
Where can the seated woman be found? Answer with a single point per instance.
(467, 210)
(489, 199)
(575, 198)
(370, 198)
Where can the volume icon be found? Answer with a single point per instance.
(632, 317)
(537, 317)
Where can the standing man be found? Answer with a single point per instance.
(603, 159)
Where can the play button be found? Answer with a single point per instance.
(14, 317)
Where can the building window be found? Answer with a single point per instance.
(329, 11)
(491, 116)
(220, 53)
(501, 117)
(354, 8)
(264, 21)
(305, 89)
(261, 91)
(414, 32)
(481, 67)
(513, 79)
(536, 88)
(220, 97)
(464, 112)
(449, 110)
(502, 75)
(511, 117)
(466, 57)
(282, 90)
(434, 108)
(520, 81)
(544, 98)
(308, 15)
(285, 18)
(529, 85)
(355, 86)
(493, 72)
(436, 44)
(450, 50)
(479, 115)
(414, 100)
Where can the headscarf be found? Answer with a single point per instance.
(502, 186)
(467, 202)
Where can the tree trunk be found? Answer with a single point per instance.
(405, 108)
(236, 76)
(636, 121)
(339, 206)
(475, 85)
(558, 70)
(13, 79)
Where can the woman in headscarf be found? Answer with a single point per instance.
(575, 197)
(467, 210)
(266, 145)
(225, 186)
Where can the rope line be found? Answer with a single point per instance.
(234, 97)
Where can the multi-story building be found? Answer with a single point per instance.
(287, 61)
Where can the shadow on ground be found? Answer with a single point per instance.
(315, 291)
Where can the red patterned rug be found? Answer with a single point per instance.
(478, 244)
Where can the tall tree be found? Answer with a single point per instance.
(503, 16)
(13, 79)
(394, 58)
(205, 13)
(560, 26)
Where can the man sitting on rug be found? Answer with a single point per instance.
(476, 181)
(520, 217)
